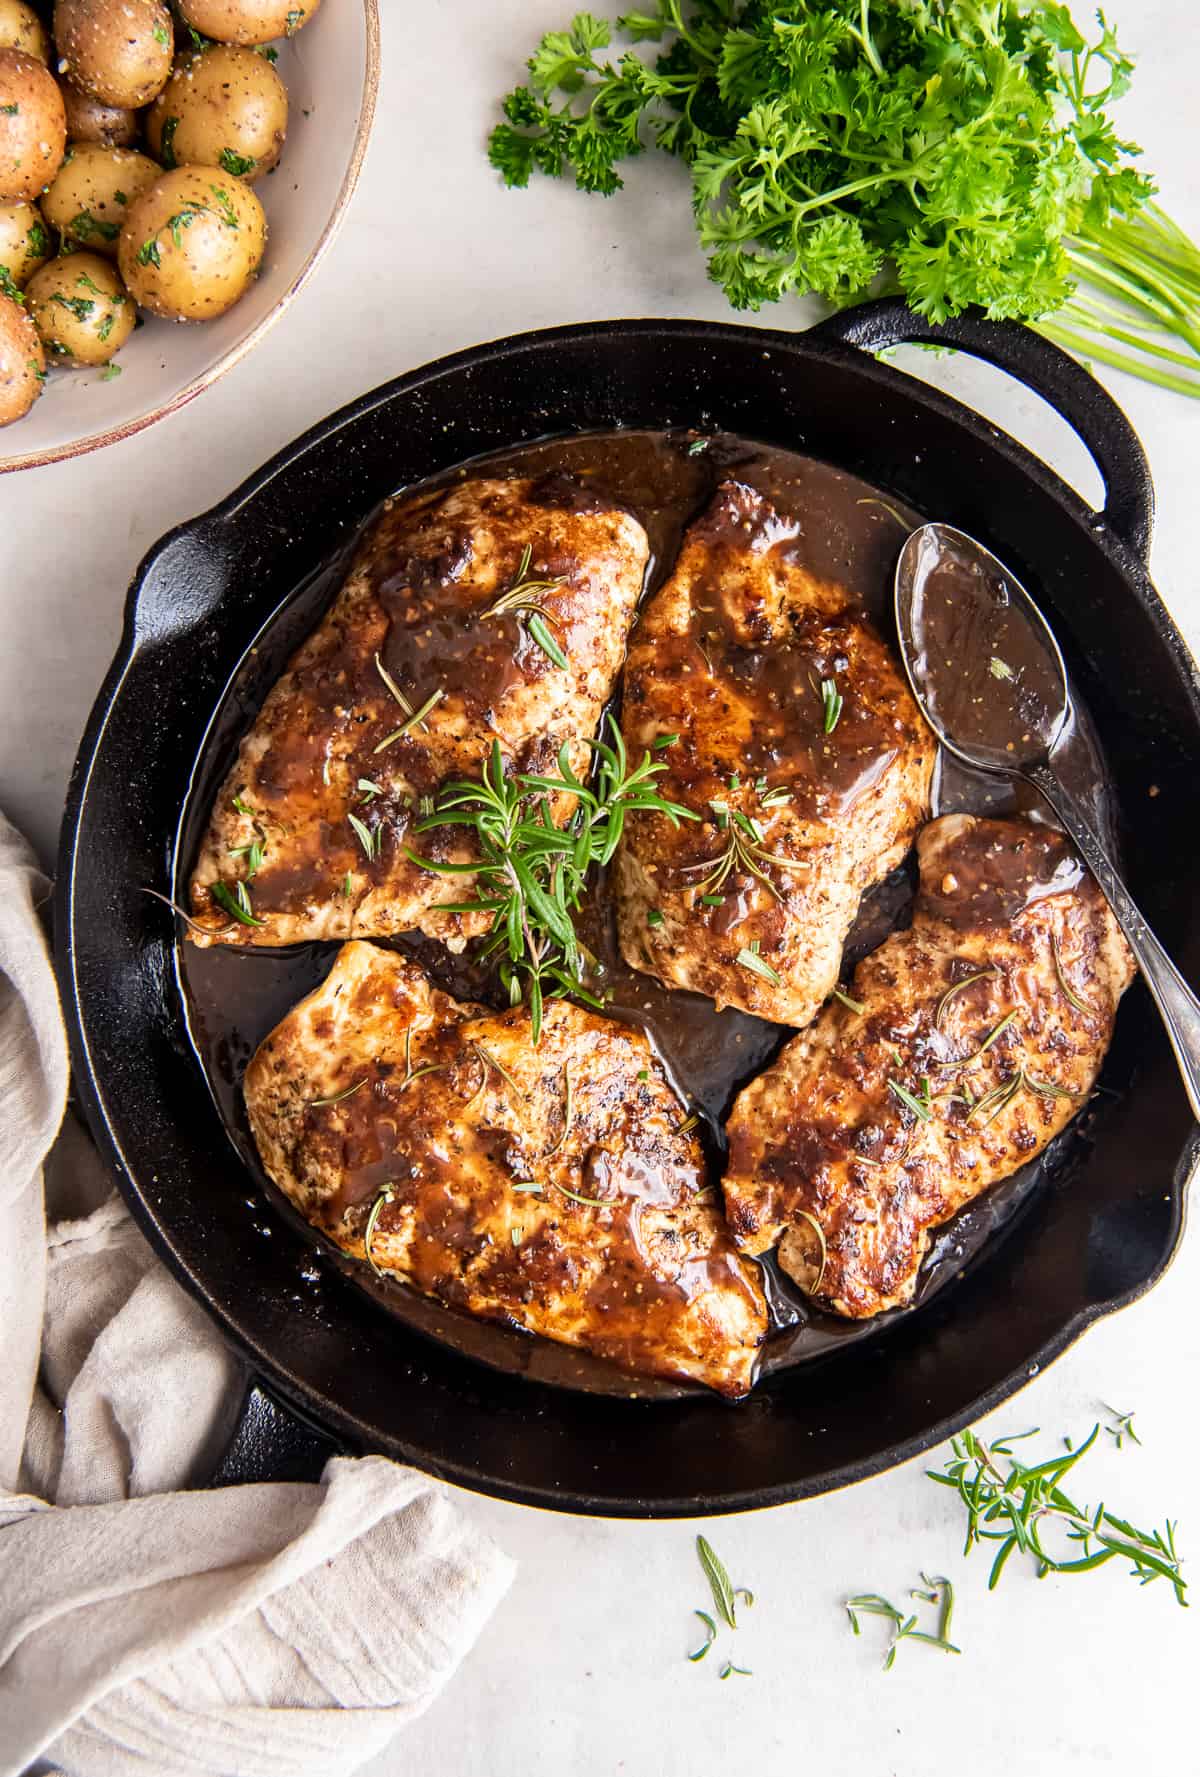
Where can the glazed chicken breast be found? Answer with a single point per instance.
(974, 1037)
(787, 729)
(556, 1188)
(490, 611)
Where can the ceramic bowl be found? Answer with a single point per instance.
(331, 70)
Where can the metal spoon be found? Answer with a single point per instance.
(988, 674)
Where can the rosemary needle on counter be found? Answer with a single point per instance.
(937, 1591)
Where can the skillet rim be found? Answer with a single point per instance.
(300, 1395)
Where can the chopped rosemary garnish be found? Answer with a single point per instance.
(348, 884)
(370, 838)
(568, 1111)
(920, 1107)
(661, 741)
(937, 1591)
(712, 900)
(697, 447)
(958, 987)
(851, 1005)
(416, 720)
(253, 853)
(489, 1060)
(396, 692)
(775, 798)
(240, 806)
(654, 917)
(1012, 1508)
(367, 789)
(578, 1197)
(1000, 669)
(531, 874)
(237, 903)
(998, 1099)
(995, 1035)
(386, 1195)
(1121, 1427)
(1079, 1005)
(750, 959)
(690, 1122)
(710, 1634)
(522, 600)
(833, 701)
(338, 1097)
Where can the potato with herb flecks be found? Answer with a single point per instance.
(91, 120)
(81, 309)
(25, 243)
(116, 50)
(247, 21)
(33, 126)
(21, 28)
(223, 107)
(22, 362)
(94, 192)
(192, 244)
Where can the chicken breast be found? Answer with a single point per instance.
(975, 1036)
(797, 744)
(440, 643)
(556, 1188)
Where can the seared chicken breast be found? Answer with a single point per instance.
(556, 1188)
(491, 611)
(787, 729)
(974, 1037)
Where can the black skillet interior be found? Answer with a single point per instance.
(1092, 1239)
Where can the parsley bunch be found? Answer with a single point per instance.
(957, 151)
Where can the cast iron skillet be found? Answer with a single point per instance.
(1089, 1243)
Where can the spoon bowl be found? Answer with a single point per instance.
(982, 661)
(988, 676)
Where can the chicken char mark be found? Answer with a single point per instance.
(799, 748)
(982, 1031)
(417, 609)
(552, 1188)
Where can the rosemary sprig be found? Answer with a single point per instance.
(531, 875)
(521, 600)
(937, 1591)
(1014, 1508)
(745, 852)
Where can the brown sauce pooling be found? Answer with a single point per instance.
(988, 880)
(843, 531)
(989, 673)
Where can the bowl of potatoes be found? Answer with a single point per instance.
(170, 176)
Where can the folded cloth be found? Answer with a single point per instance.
(280, 1628)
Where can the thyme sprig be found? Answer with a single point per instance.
(937, 1591)
(530, 874)
(1014, 1507)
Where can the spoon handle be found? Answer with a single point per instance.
(1175, 1000)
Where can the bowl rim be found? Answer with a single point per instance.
(78, 447)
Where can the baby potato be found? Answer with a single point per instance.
(90, 120)
(192, 244)
(24, 243)
(22, 362)
(93, 193)
(117, 50)
(224, 107)
(247, 21)
(81, 309)
(21, 28)
(33, 126)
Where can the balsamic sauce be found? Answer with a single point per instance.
(841, 530)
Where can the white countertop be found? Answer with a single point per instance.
(582, 1672)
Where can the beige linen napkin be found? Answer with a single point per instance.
(277, 1629)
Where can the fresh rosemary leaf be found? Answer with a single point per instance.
(851, 1005)
(920, 1107)
(832, 700)
(339, 1097)
(416, 720)
(750, 959)
(384, 1196)
(369, 838)
(958, 987)
(538, 628)
(937, 1591)
(1068, 991)
(236, 904)
(718, 1579)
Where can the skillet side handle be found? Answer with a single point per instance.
(1049, 372)
(271, 1443)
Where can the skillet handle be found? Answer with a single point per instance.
(1049, 372)
(270, 1442)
